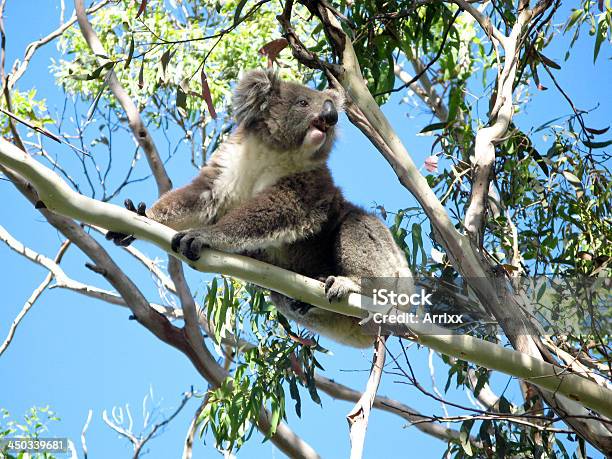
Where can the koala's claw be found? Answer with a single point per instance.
(122, 239)
(300, 307)
(176, 240)
(189, 244)
(141, 210)
(338, 287)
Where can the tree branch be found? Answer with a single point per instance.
(359, 415)
(494, 293)
(483, 20)
(141, 133)
(84, 433)
(19, 247)
(487, 137)
(59, 197)
(19, 70)
(193, 426)
(422, 423)
(203, 361)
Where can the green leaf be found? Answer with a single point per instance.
(453, 104)
(549, 62)
(295, 395)
(484, 431)
(212, 298)
(504, 405)
(276, 412)
(577, 14)
(464, 436)
(141, 75)
(602, 30)
(181, 101)
(130, 53)
(598, 131)
(97, 72)
(480, 382)
(94, 104)
(561, 447)
(433, 127)
(417, 243)
(572, 179)
(548, 123)
(590, 144)
(165, 59)
(500, 442)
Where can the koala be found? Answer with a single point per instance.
(267, 192)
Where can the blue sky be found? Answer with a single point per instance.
(76, 354)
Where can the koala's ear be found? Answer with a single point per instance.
(252, 95)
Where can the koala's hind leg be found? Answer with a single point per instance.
(364, 248)
(343, 329)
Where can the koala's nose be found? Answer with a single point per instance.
(329, 115)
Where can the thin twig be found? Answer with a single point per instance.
(430, 63)
(84, 433)
(19, 247)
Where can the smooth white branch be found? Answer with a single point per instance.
(58, 197)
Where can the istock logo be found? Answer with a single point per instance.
(385, 297)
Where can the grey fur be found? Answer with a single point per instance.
(268, 192)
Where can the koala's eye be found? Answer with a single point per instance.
(302, 103)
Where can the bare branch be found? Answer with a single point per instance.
(487, 137)
(432, 374)
(20, 68)
(140, 131)
(84, 433)
(160, 425)
(193, 426)
(342, 392)
(20, 248)
(359, 415)
(120, 430)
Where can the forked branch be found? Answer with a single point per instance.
(59, 197)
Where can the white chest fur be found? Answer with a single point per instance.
(248, 167)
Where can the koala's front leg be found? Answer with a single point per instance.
(226, 237)
(180, 208)
(278, 216)
(190, 206)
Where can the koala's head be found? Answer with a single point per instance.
(285, 115)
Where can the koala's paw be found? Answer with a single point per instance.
(300, 307)
(122, 239)
(190, 243)
(338, 287)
